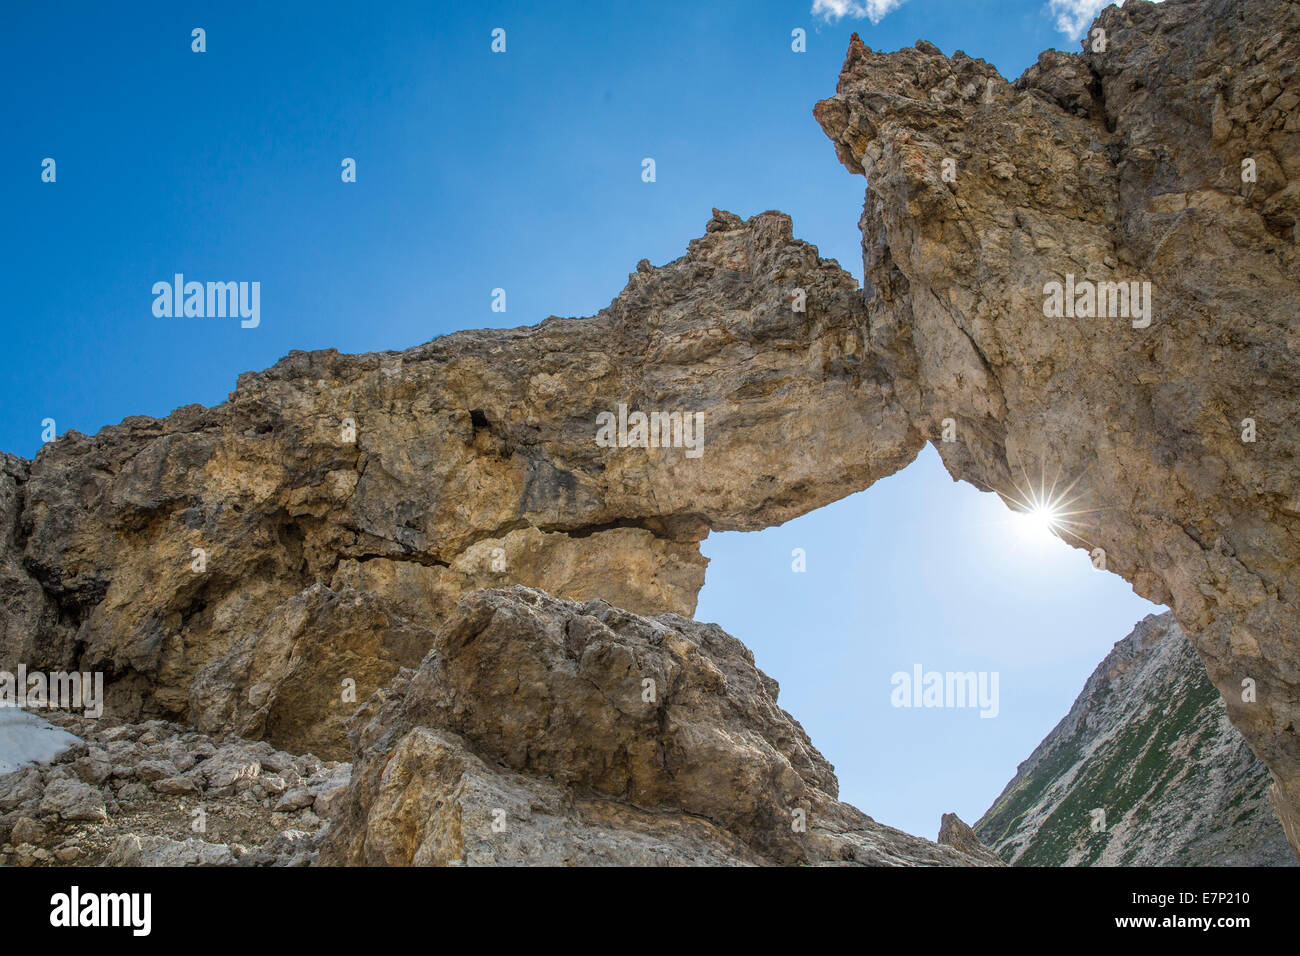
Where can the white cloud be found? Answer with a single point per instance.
(873, 10)
(1073, 17)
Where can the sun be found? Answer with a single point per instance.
(1045, 516)
(1043, 511)
(1035, 522)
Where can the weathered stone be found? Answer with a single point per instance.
(152, 850)
(123, 755)
(134, 793)
(436, 804)
(27, 830)
(330, 789)
(286, 679)
(954, 832)
(475, 464)
(289, 848)
(151, 770)
(94, 767)
(228, 766)
(25, 854)
(20, 790)
(615, 728)
(295, 799)
(73, 800)
(186, 783)
(1108, 167)
(168, 808)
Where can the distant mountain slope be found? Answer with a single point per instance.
(1149, 743)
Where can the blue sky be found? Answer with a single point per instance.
(523, 171)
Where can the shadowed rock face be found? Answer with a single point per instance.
(1117, 165)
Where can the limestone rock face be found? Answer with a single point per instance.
(1148, 745)
(438, 804)
(547, 731)
(284, 680)
(232, 566)
(1170, 157)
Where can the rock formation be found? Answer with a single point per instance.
(261, 567)
(1171, 156)
(339, 505)
(1145, 770)
(546, 731)
(956, 833)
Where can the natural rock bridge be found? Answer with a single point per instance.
(339, 506)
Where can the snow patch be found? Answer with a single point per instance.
(27, 739)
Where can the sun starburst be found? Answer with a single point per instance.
(1046, 509)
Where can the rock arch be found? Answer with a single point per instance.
(346, 503)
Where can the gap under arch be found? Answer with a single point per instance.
(918, 570)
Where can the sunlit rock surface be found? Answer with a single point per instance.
(1177, 434)
(231, 566)
(264, 566)
(546, 731)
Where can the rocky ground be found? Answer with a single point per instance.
(157, 794)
